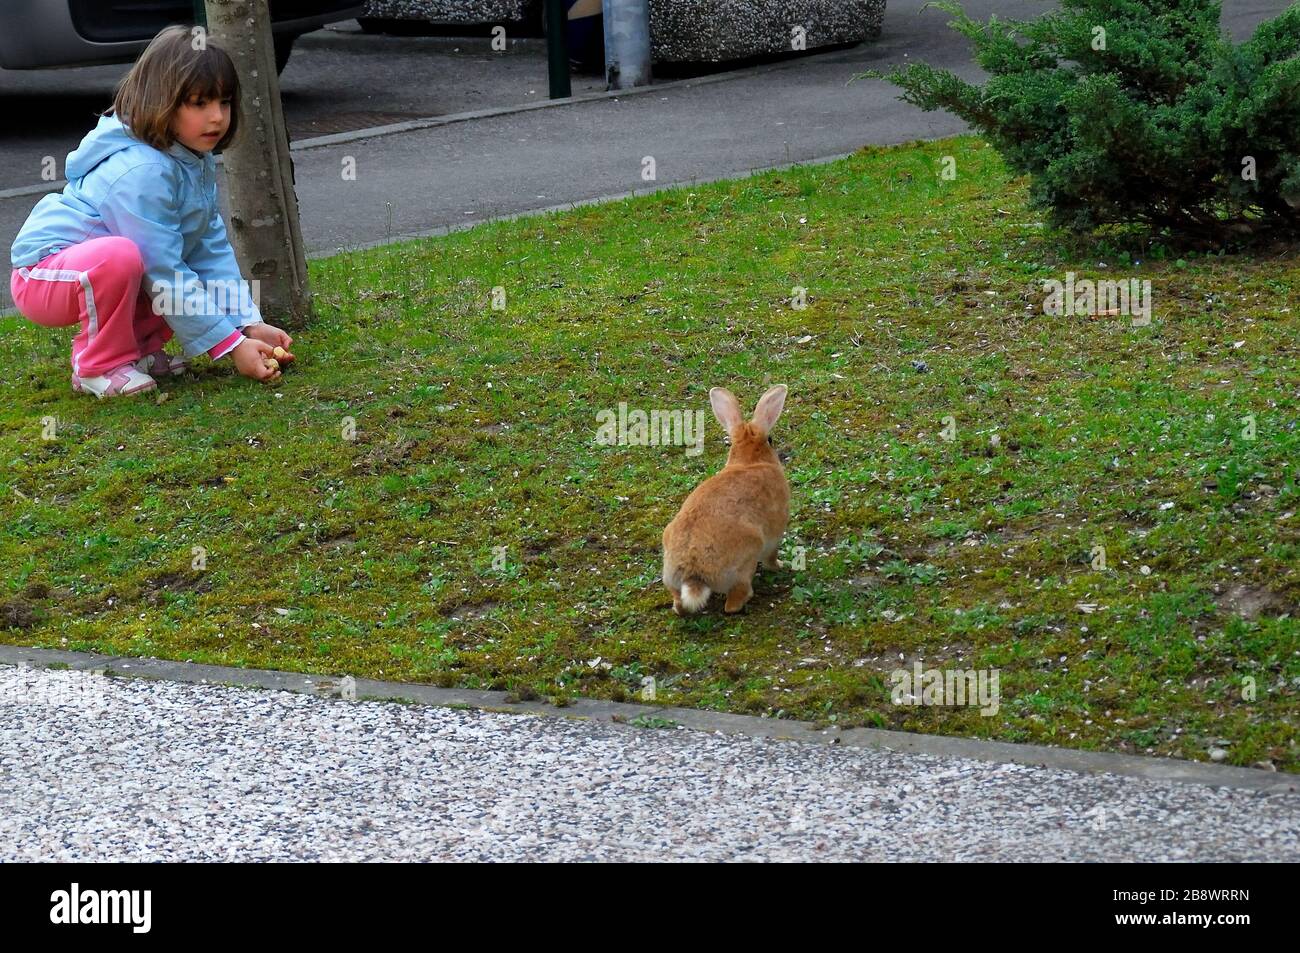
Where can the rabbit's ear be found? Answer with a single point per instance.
(726, 408)
(769, 408)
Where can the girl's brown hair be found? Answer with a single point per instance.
(171, 71)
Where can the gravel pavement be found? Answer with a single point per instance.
(95, 768)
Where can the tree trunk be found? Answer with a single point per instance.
(263, 223)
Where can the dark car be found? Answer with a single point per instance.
(51, 34)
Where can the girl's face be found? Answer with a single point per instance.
(200, 123)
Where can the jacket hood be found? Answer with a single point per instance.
(111, 136)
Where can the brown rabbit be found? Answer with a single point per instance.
(733, 519)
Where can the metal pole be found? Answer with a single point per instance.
(557, 48)
(627, 43)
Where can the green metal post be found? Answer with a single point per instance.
(557, 48)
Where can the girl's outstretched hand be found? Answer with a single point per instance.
(250, 356)
(270, 334)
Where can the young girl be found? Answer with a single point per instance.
(134, 247)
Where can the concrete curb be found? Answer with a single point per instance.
(434, 121)
(327, 39)
(1082, 762)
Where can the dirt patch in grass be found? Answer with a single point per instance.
(17, 614)
(156, 590)
(479, 610)
(1251, 602)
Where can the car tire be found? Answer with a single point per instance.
(283, 47)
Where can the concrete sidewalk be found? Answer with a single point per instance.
(112, 769)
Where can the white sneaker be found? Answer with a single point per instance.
(123, 381)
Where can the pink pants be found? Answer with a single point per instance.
(98, 283)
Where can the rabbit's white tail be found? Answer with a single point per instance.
(695, 595)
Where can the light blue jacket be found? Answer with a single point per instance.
(165, 202)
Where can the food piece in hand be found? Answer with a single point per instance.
(280, 353)
(272, 364)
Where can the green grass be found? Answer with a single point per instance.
(475, 429)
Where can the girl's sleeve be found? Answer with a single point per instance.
(142, 206)
(214, 261)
